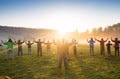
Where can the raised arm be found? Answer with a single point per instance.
(112, 40)
(106, 40)
(88, 41)
(97, 40)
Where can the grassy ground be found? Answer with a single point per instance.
(83, 67)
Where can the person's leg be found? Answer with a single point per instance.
(68, 55)
(40, 51)
(7, 54)
(47, 50)
(93, 49)
(90, 51)
(29, 51)
(0, 47)
(65, 62)
(59, 61)
(115, 51)
(12, 53)
(100, 50)
(108, 51)
(18, 52)
(21, 52)
(75, 51)
(103, 48)
(118, 51)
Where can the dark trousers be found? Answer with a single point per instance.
(75, 51)
(109, 51)
(116, 50)
(62, 57)
(102, 50)
(20, 52)
(39, 51)
(91, 50)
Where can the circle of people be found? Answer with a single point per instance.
(62, 48)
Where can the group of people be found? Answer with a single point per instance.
(102, 46)
(62, 48)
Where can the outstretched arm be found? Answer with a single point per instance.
(106, 40)
(112, 40)
(87, 41)
(97, 40)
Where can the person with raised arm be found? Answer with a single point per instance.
(116, 45)
(1, 44)
(74, 44)
(48, 47)
(10, 45)
(91, 44)
(109, 48)
(39, 47)
(29, 45)
(20, 51)
(102, 45)
(62, 54)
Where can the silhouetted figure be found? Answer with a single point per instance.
(102, 46)
(61, 52)
(29, 44)
(67, 44)
(1, 44)
(39, 47)
(9, 44)
(48, 47)
(116, 45)
(91, 43)
(20, 51)
(74, 43)
(109, 48)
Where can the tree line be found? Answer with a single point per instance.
(107, 32)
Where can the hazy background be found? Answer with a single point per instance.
(61, 15)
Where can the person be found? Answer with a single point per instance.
(9, 44)
(102, 46)
(48, 50)
(74, 43)
(91, 43)
(1, 44)
(109, 48)
(61, 52)
(29, 44)
(116, 45)
(20, 51)
(67, 44)
(39, 47)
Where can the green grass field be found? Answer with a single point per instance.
(45, 67)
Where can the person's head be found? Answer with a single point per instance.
(48, 41)
(108, 41)
(101, 39)
(19, 41)
(28, 41)
(91, 39)
(116, 39)
(39, 39)
(10, 40)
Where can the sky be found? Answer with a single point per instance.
(61, 15)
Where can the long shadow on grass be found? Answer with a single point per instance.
(87, 71)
